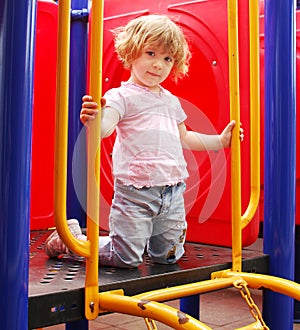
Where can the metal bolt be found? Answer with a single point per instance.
(92, 306)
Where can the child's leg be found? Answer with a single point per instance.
(166, 245)
(130, 228)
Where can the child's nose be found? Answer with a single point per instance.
(157, 64)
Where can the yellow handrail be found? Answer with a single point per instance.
(239, 222)
(233, 57)
(254, 112)
(61, 133)
(93, 166)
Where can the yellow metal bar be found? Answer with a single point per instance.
(254, 112)
(259, 281)
(149, 309)
(239, 222)
(93, 166)
(235, 143)
(187, 290)
(61, 133)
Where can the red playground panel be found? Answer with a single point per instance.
(42, 175)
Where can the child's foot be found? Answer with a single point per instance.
(54, 246)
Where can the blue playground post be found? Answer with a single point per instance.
(280, 155)
(16, 58)
(191, 305)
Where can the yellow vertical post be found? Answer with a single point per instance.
(93, 167)
(235, 144)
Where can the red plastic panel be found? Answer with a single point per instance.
(205, 98)
(42, 176)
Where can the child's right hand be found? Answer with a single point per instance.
(89, 109)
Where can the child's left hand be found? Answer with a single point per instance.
(226, 135)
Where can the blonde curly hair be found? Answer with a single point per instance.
(158, 30)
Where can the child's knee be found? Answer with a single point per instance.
(169, 258)
(129, 260)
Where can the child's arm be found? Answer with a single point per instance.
(89, 111)
(200, 142)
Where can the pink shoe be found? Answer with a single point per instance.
(54, 246)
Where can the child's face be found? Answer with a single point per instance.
(152, 67)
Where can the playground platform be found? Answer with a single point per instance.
(56, 286)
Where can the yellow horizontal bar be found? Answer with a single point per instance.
(186, 290)
(149, 309)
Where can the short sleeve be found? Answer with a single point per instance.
(115, 100)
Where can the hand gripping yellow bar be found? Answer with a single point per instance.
(238, 221)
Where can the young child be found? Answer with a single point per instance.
(149, 168)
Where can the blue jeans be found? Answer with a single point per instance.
(152, 218)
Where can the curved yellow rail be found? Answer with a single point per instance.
(259, 281)
(149, 309)
(254, 112)
(61, 134)
(88, 249)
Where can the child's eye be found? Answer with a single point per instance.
(168, 59)
(150, 53)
